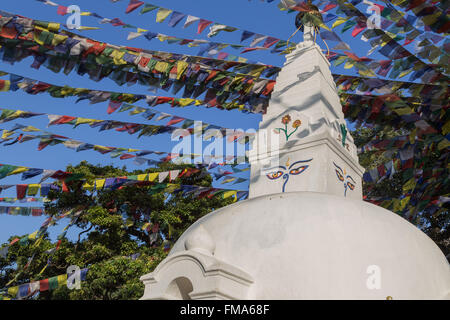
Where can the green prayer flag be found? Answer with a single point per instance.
(53, 283)
(147, 8)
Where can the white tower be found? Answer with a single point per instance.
(303, 144)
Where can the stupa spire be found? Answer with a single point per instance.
(303, 142)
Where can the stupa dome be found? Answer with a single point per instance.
(309, 245)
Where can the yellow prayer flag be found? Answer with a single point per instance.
(338, 22)
(6, 134)
(171, 187)
(139, 30)
(183, 102)
(161, 66)
(13, 291)
(409, 185)
(33, 235)
(366, 72)
(88, 186)
(229, 194)
(62, 279)
(85, 120)
(117, 57)
(181, 67)
(322, 25)
(81, 28)
(30, 129)
(53, 26)
(142, 177)
(404, 202)
(152, 176)
(99, 184)
(38, 242)
(257, 71)
(18, 170)
(162, 37)
(443, 144)
(349, 64)
(162, 14)
(58, 38)
(137, 110)
(33, 189)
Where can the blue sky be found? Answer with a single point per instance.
(253, 15)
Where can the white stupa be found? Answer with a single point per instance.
(305, 232)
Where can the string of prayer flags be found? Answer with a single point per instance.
(428, 12)
(116, 99)
(50, 139)
(175, 18)
(24, 199)
(22, 211)
(120, 54)
(49, 284)
(163, 13)
(120, 126)
(391, 49)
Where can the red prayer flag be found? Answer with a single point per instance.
(202, 25)
(358, 29)
(328, 7)
(127, 156)
(113, 106)
(64, 187)
(175, 120)
(9, 33)
(43, 285)
(269, 87)
(2, 84)
(21, 190)
(270, 41)
(62, 10)
(62, 120)
(133, 5)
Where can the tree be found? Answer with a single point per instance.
(436, 224)
(122, 232)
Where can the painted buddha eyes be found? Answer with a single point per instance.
(275, 175)
(298, 170)
(343, 177)
(286, 171)
(340, 176)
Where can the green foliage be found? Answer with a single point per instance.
(112, 230)
(436, 225)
